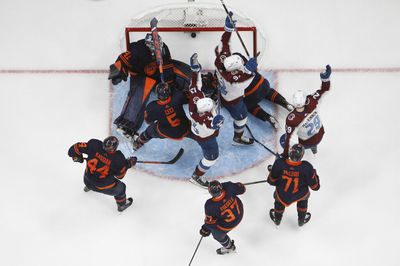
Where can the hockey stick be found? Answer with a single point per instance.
(240, 37)
(255, 182)
(172, 161)
(157, 47)
(201, 238)
(251, 134)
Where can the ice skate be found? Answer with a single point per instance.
(197, 180)
(86, 189)
(274, 217)
(305, 220)
(126, 133)
(224, 250)
(274, 122)
(314, 149)
(242, 141)
(137, 143)
(122, 207)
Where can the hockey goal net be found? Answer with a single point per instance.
(195, 27)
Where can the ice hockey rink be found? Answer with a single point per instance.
(54, 92)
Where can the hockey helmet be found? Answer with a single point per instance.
(204, 105)
(296, 152)
(299, 99)
(215, 188)
(233, 62)
(163, 91)
(110, 144)
(150, 44)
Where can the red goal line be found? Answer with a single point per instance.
(280, 70)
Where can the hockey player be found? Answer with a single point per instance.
(224, 211)
(205, 123)
(292, 178)
(105, 166)
(304, 121)
(139, 62)
(165, 116)
(258, 90)
(234, 77)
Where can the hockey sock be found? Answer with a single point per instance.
(120, 199)
(276, 97)
(302, 209)
(260, 113)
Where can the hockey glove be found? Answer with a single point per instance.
(326, 74)
(132, 161)
(230, 23)
(194, 63)
(217, 122)
(77, 159)
(251, 65)
(204, 231)
(117, 75)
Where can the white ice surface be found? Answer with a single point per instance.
(46, 218)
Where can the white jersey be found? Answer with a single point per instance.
(202, 130)
(232, 90)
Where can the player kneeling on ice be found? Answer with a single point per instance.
(292, 177)
(105, 166)
(224, 211)
(205, 123)
(304, 121)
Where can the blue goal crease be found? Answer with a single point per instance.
(232, 159)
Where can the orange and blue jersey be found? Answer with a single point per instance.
(101, 167)
(293, 180)
(226, 211)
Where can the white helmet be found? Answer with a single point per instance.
(299, 99)
(204, 105)
(233, 62)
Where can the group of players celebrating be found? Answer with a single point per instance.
(235, 85)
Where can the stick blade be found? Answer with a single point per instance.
(153, 24)
(177, 156)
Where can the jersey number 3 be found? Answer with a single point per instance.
(230, 216)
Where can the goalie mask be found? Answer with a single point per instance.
(204, 105)
(110, 144)
(150, 44)
(299, 99)
(163, 91)
(233, 62)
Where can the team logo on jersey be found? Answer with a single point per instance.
(150, 69)
(195, 99)
(291, 116)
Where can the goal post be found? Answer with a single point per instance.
(192, 27)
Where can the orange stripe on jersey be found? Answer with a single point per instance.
(289, 162)
(106, 187)
(274, 96)
(148, 85)
(123, 172)
(180, 73)
(76, 149)
(252, 90)
(168, 137)
(167, 66)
